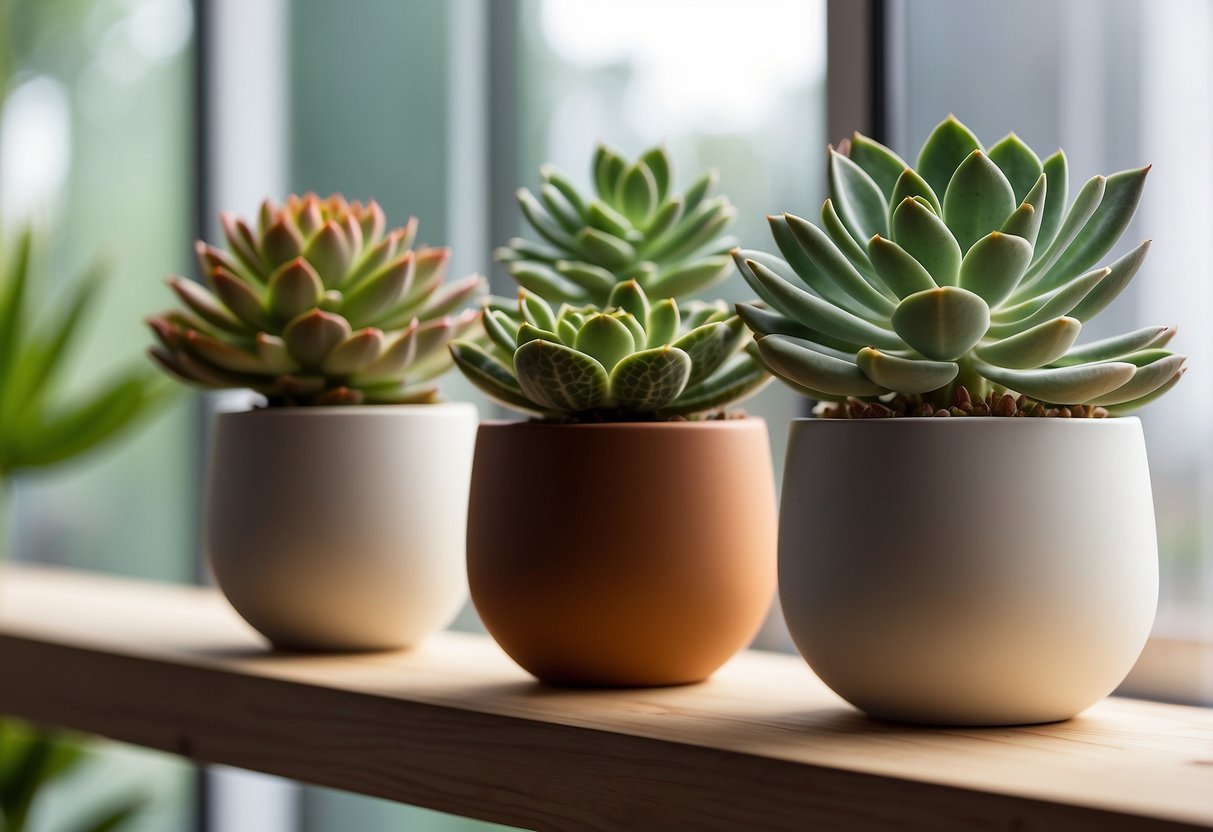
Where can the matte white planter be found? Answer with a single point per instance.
(974, 571)
(341, 528)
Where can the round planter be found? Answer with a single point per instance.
(341, 528)
(974, 571)
(629, 554)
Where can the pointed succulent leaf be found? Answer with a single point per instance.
(978, 199)
(897, 269)
(805, 364)
(1018, 162)
(608, 167)
(763, 321)
(817, 313)
(629, 297)
(927, 239)
(650, 380)
(274, 355)
(910, 184)
(843, 284)
(294, 288)
(690, 278)
(1146, 379)
(1099, 234)
(636, 193)
(1120, 274)
(542, 222)
(1117, 346)
(949, 144)
(397, 356)
(740, 378)
(697, 228)
(535, 312)
(606, 339)
(658, 162)
(1085, 203)
(205, 305)
(1056, 170)
(602, 216)
(1061, 385)
(546, 282)
(663, 323)
(664, 218)
(605, 249)
(1032, 348)
(281, 242)
(379, 293)
(561, 379)
(559, 209)
(942, 324)
(859, 200)
(355, 353)
(240, 298)
(242, 242)
(221, 354)
(831, 223)
(313, 335)
(1130, 406)
(595, 281)
(1025, 220)
(492, 377)
(329, 252)
(905, 375)
(994, 265)
(568, 190)
(453, 296)
(1014, 319)
(709, 346)
(882, 165)
(528, 333)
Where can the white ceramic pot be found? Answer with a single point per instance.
(975, 571)
(341, 528)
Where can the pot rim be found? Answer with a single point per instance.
(353, 410)
(707, 424)
(1111, 420)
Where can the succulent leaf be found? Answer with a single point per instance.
(978, 200)
(605, 338)
(860, 203)
(1062, 385)
(928, 240)
(1018, 162)
(949, 144)
(943, 324)
(811, 366)
(650, 380)
(906, 375)
(1056, 171)
(560, 378)
(1032, 348)
(994, 265)
(901, 272)
(878, 162)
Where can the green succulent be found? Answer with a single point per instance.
(320, 306)
(629, 360)
(635, 227)
(968, 271)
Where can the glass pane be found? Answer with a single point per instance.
(1118, 84)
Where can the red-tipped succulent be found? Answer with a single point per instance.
(319, 304)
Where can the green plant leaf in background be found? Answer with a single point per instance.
(39, 427)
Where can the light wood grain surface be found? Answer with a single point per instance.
(455, 726)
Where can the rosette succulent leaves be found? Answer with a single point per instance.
(320, 305)
(634, 227)
(628, 360)
(967, 271)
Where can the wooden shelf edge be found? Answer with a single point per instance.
(455, 727)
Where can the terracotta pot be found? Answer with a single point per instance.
(622, 554)
(974, 571)
(341, 528)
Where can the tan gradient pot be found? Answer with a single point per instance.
(341, 528)
(628, 554)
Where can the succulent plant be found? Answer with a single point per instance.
(635, 228)
(968, 271)
(321, 305)
(628, 360)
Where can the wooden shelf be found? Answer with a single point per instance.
(455, 726)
